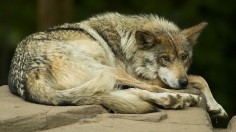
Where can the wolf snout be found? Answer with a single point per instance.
(183, 82)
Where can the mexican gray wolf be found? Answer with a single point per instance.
(122, 62)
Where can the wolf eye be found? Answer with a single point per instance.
(184, 57)
(166, 58)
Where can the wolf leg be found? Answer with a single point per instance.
(124, 78)
(212, 106)
(167, 100)
(100, 90)
(135, 100)
(123, 101)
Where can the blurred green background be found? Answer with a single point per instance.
(214, 55)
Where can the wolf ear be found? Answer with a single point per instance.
(145, 39)
(193, 32)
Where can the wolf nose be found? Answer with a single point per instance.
(183, 82)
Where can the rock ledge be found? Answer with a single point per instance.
(19, 115)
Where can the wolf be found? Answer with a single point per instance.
(126, 63)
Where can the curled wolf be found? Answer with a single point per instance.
(91, 62)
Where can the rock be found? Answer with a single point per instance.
(191, 116)
(149, 117)
(119, 124)
(19, 115)
(232, 125)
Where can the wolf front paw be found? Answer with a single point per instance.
(191, 99)
(216, 110)
(177, 101)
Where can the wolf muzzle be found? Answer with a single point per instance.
(183, 82)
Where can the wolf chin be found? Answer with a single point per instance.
(122, 62)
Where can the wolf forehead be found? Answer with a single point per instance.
(168, 32)
(165, 33)
(171, 40)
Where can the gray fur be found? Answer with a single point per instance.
(87, 62)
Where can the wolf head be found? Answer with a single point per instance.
(166, 55)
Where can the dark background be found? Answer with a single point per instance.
(214, 55)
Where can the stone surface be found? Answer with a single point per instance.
(177, 121)
(19, 115)
(232, 125)
(118, 125)
(149, 117)
(192, 116)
